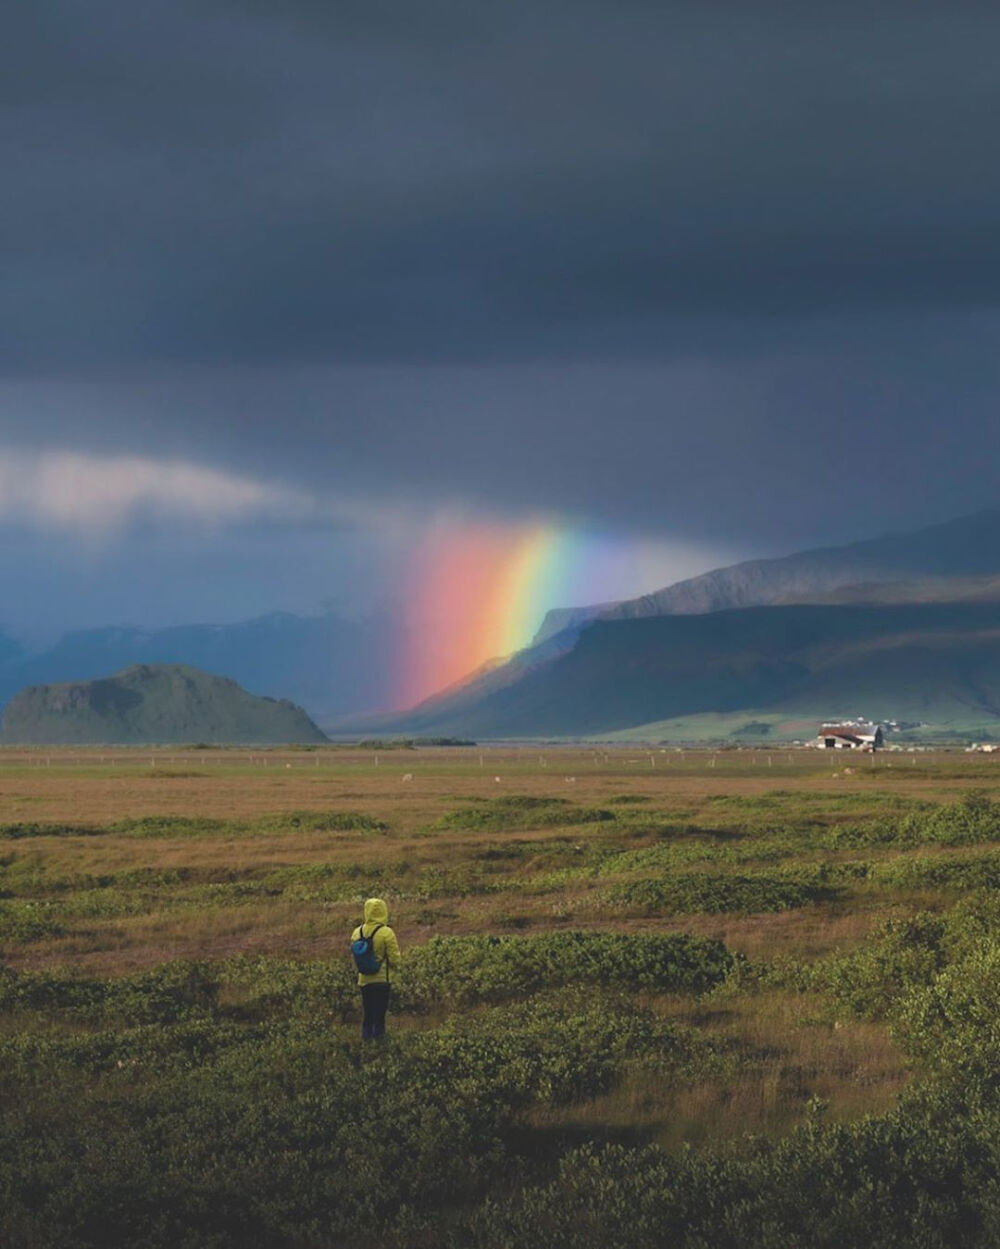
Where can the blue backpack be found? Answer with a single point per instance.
(363, 950)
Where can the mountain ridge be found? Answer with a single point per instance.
(964, 546)
(932, 660)
(952, 568)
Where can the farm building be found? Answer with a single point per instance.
(850, 737)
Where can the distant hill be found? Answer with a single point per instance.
(965, 548)
(326, 663)
(926, 661)
(153, 703)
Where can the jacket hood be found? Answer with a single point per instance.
(376, 911)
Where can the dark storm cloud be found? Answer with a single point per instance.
(691, 266)
(754, 453)
(268, 181)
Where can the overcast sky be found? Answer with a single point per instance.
(284, 279)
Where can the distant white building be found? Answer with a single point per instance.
(855, 736)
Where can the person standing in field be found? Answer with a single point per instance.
(375, 964)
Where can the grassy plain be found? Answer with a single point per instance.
(767, 727)
(605, 945)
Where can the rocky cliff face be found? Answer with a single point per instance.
(153, 703)
(965, 548)
(968, 547)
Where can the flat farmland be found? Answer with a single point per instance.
(746, 965)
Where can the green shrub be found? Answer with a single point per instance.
(701, 892)
(941, 872)
(320, 822)
(903, 1182)
(952, 1024)
(521, 811)
(950, 1020)
(899, 957)
(975, 818)
(168, 826)
(973, 919)
(491, 969)
(21, 922)
(203, 826)
(267, 1143)
(15, 831)
(168, 993)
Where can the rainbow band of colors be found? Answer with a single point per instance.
(480, 592)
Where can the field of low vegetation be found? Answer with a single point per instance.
(682, 998)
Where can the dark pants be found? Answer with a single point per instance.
(375, 1000)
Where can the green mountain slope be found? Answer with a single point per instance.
(151, 703)
(928, 661)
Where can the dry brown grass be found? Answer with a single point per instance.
(786, 1047)
(105, 786)
(93, 787)
(788, 1052)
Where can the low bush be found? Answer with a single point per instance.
(700, 892)
(21, 922)
(202, 826)
(952, 1023)
(901, 956)
(16, 831)
(941, 871)
(490, 969)
(168, 826)
(903, 1182)
(521, 811)
(192, 1131)
(167, 994)
(975, 818)
(319, 822)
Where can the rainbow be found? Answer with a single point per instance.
(480, 590)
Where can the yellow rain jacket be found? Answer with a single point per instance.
(385, 944)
